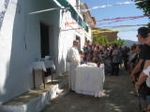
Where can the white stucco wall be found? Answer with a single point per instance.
(20, 44)
(6, 39)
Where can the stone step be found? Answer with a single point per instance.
(35, 100)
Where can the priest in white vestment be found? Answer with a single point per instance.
(74, 62)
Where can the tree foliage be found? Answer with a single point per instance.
(104, 41)
(100, 40)
(144, 5)
(119, 42)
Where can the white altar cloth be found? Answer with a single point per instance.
(39, 66)
(42, 65)
(89, 80)
(49, 64)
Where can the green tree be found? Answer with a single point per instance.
(100, 40)
(119, 42)
(144, 5)
(95, 40)
(104, 41)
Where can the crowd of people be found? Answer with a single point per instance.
(135, 59)
(111, 56)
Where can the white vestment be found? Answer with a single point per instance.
(74, 62)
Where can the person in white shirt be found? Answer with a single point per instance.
(74, 62)
(147, 73)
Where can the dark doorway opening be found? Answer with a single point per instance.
(44, 29)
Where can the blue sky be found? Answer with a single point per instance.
(129, 10)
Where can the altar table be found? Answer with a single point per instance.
(89, 80)
(43, 66)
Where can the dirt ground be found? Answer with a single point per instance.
(119, 97)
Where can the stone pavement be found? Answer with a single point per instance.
(35, 100)
(119, 97)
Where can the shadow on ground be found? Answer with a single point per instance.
(118, 97)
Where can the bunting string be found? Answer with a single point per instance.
(117, 19)
(111, 5)
(123, 18)
(120, 26)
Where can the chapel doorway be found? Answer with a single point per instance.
(44, 30)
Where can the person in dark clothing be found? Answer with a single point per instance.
(140, 85)
(115, 61)
(125, 57)
(135, 59)
(144, 53)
